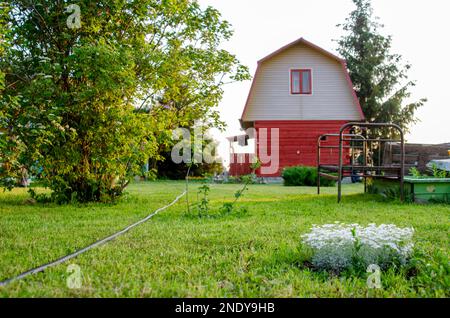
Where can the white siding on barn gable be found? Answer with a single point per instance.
(331, 97)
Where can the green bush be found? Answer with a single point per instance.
(304, 176)
(250, 179)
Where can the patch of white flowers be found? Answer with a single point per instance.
(339, 246)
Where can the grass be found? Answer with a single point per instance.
(252, 255)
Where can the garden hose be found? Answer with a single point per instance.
(87, 248)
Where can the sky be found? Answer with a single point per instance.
(419, 30)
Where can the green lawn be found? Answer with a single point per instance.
(251, 255)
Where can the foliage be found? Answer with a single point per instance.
(227, 208)
(191, 73)
(251, 179)
(11, 169)
(167, 169)
(304, 176)
(380, 80)
(338, 247)
(415, 172)
(438, 173)
(196, 179)
(435, 173)
(96, 102)
(393, 193)
(203, 203)
(3, 35)
(429, 271)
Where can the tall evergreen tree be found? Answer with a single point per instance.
(379, 76)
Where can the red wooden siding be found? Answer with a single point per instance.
(298, 142)
(240, 164)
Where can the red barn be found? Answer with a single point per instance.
(299, 92)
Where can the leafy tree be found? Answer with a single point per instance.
(166, 168)
(11, 148)
(196, 80)
(97, 101)
(3, 31)
(380, 79)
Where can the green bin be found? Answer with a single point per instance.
(420, 190)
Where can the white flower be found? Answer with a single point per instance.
(334, 244)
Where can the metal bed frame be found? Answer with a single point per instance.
(346, 141)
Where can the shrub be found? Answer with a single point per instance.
(304, 176)
(249, 179)
(338, 247)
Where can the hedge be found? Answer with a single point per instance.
(304, 176)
